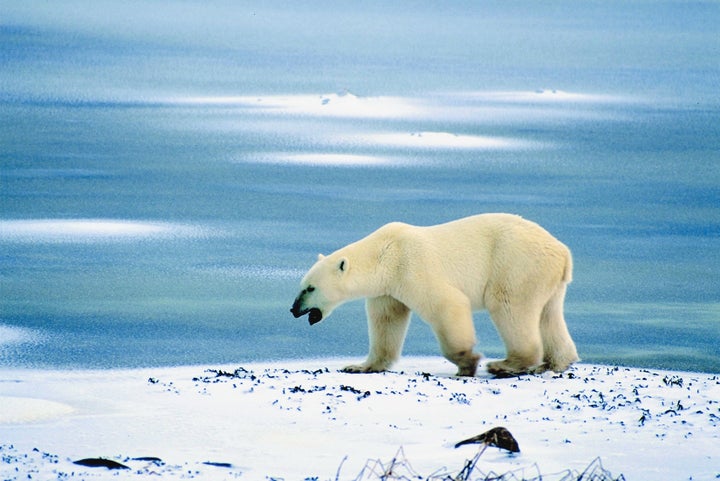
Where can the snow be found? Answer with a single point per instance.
(305, 420)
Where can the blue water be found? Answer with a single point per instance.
(169, 170)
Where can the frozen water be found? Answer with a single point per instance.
(170, 170)
(79, 230)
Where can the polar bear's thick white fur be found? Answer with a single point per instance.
(500, 262)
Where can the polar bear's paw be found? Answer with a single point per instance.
(362, 369)
(466, 362)
(503, 369)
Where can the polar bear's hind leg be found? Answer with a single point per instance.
(453, 326)
(519, 328)
(559, 348)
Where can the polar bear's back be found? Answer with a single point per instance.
(475, 251)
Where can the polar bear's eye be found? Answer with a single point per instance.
(309, 289)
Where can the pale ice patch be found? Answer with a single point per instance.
(15, 340)
(476, 106)
(15, 335)
(327, 159)
(11, 336)
(540, 95)
(447, 140)
(324, 105)
(16, 410)
(89, 230)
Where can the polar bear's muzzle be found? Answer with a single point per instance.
(314, 314)
(298, 310)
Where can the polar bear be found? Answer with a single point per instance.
(500, 262)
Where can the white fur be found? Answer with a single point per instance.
(500, 262)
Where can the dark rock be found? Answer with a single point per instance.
(100, 463)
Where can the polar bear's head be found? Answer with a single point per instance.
(323, 288)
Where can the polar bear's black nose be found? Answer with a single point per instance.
(296, 309)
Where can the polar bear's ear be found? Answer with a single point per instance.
(321, 257)
(343, 264)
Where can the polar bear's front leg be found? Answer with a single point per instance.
(388, 321)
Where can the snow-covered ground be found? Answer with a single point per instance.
(305, 420)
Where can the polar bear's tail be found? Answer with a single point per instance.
(567, 273)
